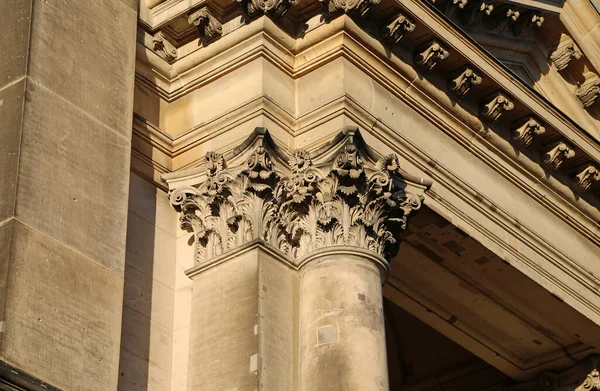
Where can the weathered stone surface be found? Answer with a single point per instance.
(6, 231)
(14, 30)
(63, 314)
(85, 52)
(11, 110)
(72, 178)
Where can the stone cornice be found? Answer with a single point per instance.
(337, 196)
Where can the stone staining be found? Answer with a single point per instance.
(463, 81)
(298, 208)
(430, 55)
(566, 51)
(504, 15)
(209, 27)
(163, 47)
(357, 8)
(525, 134)
(473, 13)
(529, 21)
(592, 382)
(558, 153)
(494, 108)
(395, 30)
(585, 178)
(589, 90)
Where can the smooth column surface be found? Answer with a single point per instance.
(342, 333)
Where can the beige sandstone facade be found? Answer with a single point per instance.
(300, 195)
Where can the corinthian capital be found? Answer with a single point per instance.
(340, 196)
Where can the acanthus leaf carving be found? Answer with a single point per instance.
(274, 8)
(592, 382)
(430, 55)
(395, 30)
(350, 201)
(358, 8)
(463, 81)
(566, 51)
(163, 47)
(588, 91)
(493, 109)
(208, 26)
(524, 134)
(557, 154)
(585, 177)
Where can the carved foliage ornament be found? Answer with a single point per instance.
(525, 133)
(163, 47)
(429, 55)
(395, 30)
(566, 51)
(585, 177)
(463, 80)
(589, 90)
(558, 153)
(347, 202)
(592, 382)
(494, 108)
(357, 8)
(275, 8)
(209, 27)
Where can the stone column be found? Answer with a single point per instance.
(342, 333)
(66, 107)
(325, 223)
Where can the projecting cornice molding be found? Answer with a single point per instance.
(339, 195)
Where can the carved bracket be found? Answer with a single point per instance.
(557, 154)
(589, 90)
(428, 56)
(592, 382)
(395, 30)
(502, 17)
(358, 8)
(462, 81)
(341, 196)
(495, 107)
(525, 133)
(527, 22)
(585, 177)
(566, 51)
(473, 13)
(164, 48)
(209, 27)
(274, 8)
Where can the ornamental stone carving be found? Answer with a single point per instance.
(566, 51)
(527, 22)
(163, 47)
(449, 7)
(557, 154)
(589, 90)
(585, 177)
(525, 133)
(274, 8)
(502, 17)
(592, 382)
(339, 196)
(428, 56)
(209, 27)
(463, 80)
(357, 8)
(474, 12)
(496, 106)
(395, 30)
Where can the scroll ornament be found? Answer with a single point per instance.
(351, 203)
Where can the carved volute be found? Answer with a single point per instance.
(340, 195)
